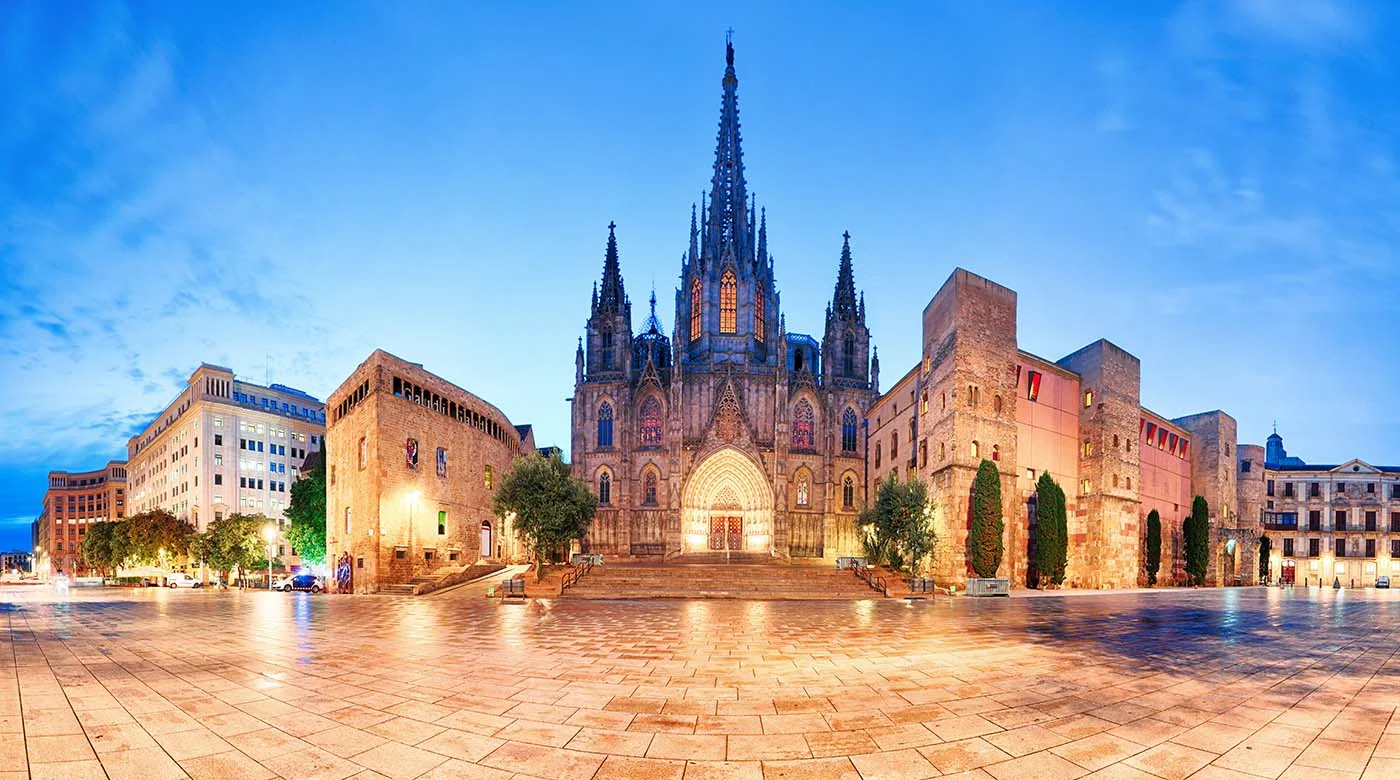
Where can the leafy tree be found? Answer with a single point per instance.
(984, 543)
(1265, 547)
(1196, 529)
(1051, 531)
(1154, 546)
(97, 547)
(235, 540)
(307, 513)
(145, 538)
(899, 525)
(552, 508)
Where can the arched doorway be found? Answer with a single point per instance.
(486, 539)
(1229, 562)
(727, 505)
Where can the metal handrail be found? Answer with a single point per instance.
(869, 577)
(574, 575)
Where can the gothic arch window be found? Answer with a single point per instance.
(758, 321)
(605, 425)
(804, 487)
(604, 487)
(649, 480)
(650, 416)
(695, 309)
(848, 354)
(877, 454)
(848, 492)
(605, 340)
(848, 430)
(803, 426)
(996, 404)
(728, 303)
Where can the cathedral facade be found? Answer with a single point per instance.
(731, 435)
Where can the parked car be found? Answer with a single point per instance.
(291, 582)
(181, 579)
(1383, 581)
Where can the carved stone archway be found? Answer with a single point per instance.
(726, 485)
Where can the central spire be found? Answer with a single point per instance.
(728, 214)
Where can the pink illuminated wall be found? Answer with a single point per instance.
(1165, 455)
(1047, 428)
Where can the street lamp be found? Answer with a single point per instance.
(269, 533)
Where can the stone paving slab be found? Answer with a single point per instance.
(1239, 683)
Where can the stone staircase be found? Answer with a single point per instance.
(744, 576)
(406, 588)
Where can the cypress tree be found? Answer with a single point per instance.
(1062, 523)
(1154, 546)
(984, 542)
(1047, 530)
(1197, 532)
(1265, 547)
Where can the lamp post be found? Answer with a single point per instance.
(269, 533)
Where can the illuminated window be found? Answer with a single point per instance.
(442, 522)
(694, 309)
(1088, 448)
(1088, 398)
(804, 425)
(1084, 486)
(848, 492)
(605, 488)
(649, 488)
(1032, 385)
(490, 478)
(803, 488)
(758, 322)
(605, 425)
(728, 303)
(848, 430)
(651, 421)
(926, 365)
(976, 451)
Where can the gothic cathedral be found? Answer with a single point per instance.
(732, 435)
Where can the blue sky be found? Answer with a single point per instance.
(1210, 184)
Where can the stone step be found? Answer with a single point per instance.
(708, 579)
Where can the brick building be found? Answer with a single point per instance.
(977, 396)
(72, 503)
(1326, 522)
(413, 462)
(225, 446)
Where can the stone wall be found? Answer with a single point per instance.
(406, 520)
(1109, 553)
(1213, 476)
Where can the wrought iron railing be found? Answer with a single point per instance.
(575, 574)
(868, 575)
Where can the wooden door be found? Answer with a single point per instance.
(735, 537)
(726, 533)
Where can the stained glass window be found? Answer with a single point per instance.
(605, 421)
(695, 310)
(728, 303)
(758, 323)
(649, 488)
(605, 488)
(803, 425)
(803, 487)
(848, 492)
(848, 430)
(651, 421)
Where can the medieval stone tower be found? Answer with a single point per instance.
(733, 435)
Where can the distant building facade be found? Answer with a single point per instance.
(225, 446)
(413, 463)
(1326, 523)
(730, 434)
(16, 562)
(72, 503)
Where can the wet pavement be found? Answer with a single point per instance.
(1240, 683)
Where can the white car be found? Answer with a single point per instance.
(181, 579)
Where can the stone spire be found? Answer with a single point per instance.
(763, 236)
(694, 236)
(611, 297)
(727, 221)
(844, 304)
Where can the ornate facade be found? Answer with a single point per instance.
(731, 435)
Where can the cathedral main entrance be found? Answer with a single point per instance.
(727, 506)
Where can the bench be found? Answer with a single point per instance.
(513, 589)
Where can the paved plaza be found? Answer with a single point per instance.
(1242, 683)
